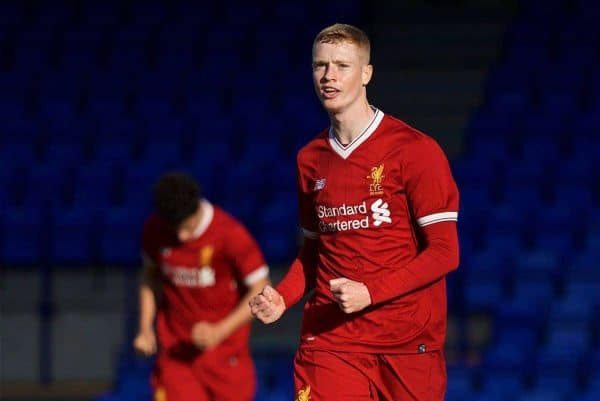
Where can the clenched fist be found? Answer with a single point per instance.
(351, 296)
(145, 342)
(207, 335)
(268, 306)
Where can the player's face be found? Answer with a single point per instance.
(340, 73)
(186, 229)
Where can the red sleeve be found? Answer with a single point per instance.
(439, 257)
(308, 218)
(248, 259)
(301, 276)
(430, 188)
(302, 273)
(433, 198)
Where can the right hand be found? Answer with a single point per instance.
(145, 342)
(268, 306)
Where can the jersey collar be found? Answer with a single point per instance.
(345, 151)
(207, 216)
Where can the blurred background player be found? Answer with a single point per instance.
(201, 266)
(378, 206)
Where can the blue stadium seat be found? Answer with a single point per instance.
(510, 102)
(120, 236)
(505, 384)
(460, 383)
(20, 152)
(46, 186)
(563, 77)
(504, 244)
(543, 127)
(573, 196)
(572, 310)
(519, 321)
(559, 241)
(105, 108)
(198, 105)
(110, 83)
(553, 101)
(242, 14)
(95, 185)
(278, 228)
(22, 237)
(505, 357)
(31, 58)
(577, 170)
(540, 395)
(79, 57)
(153, 107)
(163, 127)
(543, 264)
(62, 86)
(71, 234)
(147, 14)
(11, 14)
(114, 150)
(555, 219)
(165, 152)
(491, 148)
(177, 54)
(533, 293)
(68, 153)
(138, 180)
(527, 56)
(563, 383)
(128, 58)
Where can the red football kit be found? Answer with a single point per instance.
(202, 280)
(381, 210)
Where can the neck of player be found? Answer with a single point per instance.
(350, 123)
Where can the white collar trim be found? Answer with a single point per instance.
(345, 151)
(207, 217)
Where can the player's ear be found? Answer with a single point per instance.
(367, 73)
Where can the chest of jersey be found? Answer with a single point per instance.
(361, 192)
(194, 265)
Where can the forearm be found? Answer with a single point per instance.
(147, 307)
(241, 314)
(301, 276)
(439, 257)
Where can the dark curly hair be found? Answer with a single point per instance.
(176, 197)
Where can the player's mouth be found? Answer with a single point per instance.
(328, 92)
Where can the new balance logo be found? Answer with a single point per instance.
(319, 184)
(381, 213)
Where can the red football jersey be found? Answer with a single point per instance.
(202, 279)
(366, 203)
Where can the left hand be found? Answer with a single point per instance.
(351, 296)
(207, 335)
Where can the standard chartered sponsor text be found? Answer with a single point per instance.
(343, 210)
(346, 225)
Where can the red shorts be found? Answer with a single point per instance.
(325, 376)
(210, 376)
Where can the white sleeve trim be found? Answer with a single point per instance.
(437, 218)
(310, 234)
(256, 275)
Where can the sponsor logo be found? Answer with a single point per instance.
(376, 176)
(319, 184)
(381, 212)
(335, 219)
(190, 277)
